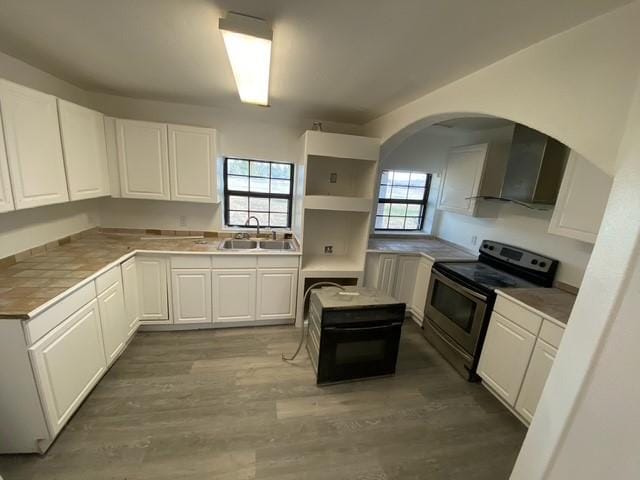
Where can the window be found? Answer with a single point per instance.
(402, 201)
(261, 189)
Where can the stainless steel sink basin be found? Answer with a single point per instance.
(276, 245)
(233, 244)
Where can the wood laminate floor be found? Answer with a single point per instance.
(221, 404)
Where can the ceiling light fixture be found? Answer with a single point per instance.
(248, 43)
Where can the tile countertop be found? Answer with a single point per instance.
(550, 303)
(432, 248)
(38, 279)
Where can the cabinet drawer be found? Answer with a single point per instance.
(518, 315)
(37, 327)
(191, 261)
(278, 261)
(551, 333)
(233, 261)
(107, 279)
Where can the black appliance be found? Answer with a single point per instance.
(462, 294)
(354, 333)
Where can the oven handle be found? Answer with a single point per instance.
(360, 329)
(457, 286)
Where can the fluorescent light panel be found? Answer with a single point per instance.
(248, 44)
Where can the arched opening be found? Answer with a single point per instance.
(563, 227)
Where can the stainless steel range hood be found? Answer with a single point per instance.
(534, 169)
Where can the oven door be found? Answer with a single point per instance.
(456, 310)
(358, 351)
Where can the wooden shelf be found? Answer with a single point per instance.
(339, 203)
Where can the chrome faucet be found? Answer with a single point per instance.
(246, 224)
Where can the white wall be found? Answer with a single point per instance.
(25, 229)
(587, 422)
(574, 86)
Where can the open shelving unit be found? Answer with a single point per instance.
(335, 186)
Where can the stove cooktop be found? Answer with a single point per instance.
(486, 276)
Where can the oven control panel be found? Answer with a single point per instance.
(517, 256)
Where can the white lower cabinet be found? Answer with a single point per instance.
(131, 297)
(421, 290)
(505, 356)
(535, 379)
(405, 284)
(276, 293)
(114, 321)
(191, 295)
(152, 290)
(234, 295)
(67, 363)
(387, 273)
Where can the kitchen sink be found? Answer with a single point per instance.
(276, 245)
(233, 244)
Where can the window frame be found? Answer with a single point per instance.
(240, 193)
(424, 202)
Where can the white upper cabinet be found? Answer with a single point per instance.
(192, 164)
(85, 151)
(143, 159)
(582, 199)
(33, 147)
(6, 197)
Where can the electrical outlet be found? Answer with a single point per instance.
(183, 220)
(474, 240)
(328, 249)
(333, 178)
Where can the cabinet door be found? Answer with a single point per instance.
(6, 196)
(85, 151)
(277, 293)
(143, 159)
(406, 271)
(537, 373)
(463, 178)
(582, 199)
(421, 290)
(34, 150)
(131, 298)
(114, 321)
(234, 295)
(67, 363)
(191, 289)
(505, 355)
(152, 290)
(387, 265)
(192, 164)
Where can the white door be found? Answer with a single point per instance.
(582, 199)
(152, 290)
(68, 362)
(6, 197)
(463, 178)
(421, 290)
(85, 151)
(505, 356)
(192, 164)
(114, 321)
(34, 150)
(406, 271)
(387, 272)
(131, 298)
(191, 295)
(143, 159)
(537, 373)
(277, 293)
(234, 295)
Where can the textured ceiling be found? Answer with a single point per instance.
(340, 60)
